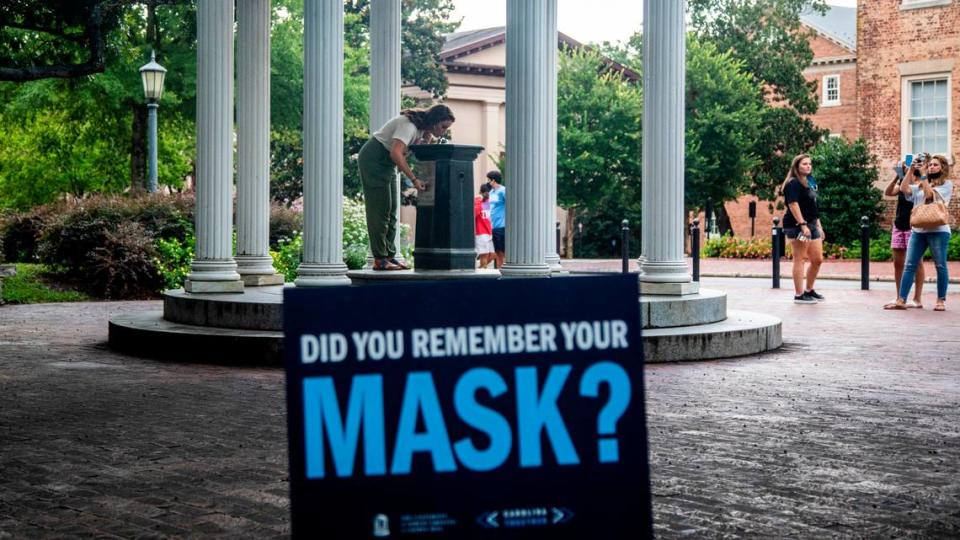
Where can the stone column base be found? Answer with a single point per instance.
(321, 275)
(261, 280)
(192, 286)
(670, 289)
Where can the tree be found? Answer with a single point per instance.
(424, 23)
(723, 118)
(846, 173)
(723, 113)
(58, 38)
(598, 148)
(766, 35)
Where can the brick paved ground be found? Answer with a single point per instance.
(831, 269)
(851, 430)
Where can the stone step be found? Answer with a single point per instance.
(149, 334)
(261, 308)
(741, 333)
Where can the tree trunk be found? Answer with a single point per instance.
(570, 229)
(723, 220)
(138, 149)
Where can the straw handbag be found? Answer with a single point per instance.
(930, 215)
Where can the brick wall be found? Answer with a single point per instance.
(889, 47)
(839, 119)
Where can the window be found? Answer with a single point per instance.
(927, 115)
(919, 4)
(831, 90)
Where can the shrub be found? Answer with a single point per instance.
(20, 233)
(287, 256)
(879, 248)
(846, 173)
(106, 244)
(953, 248)
(737, 248)
(173, 260)
(284, 223)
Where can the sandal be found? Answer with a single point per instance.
(385, 264)
(940, 306)
(402, 266)
(914, 304)
(895, 305)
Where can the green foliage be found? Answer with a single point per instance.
(288, 252)
(846, 174)
(20, 232)
(355, 223)
(32, 285)
(879, 248)
(173, 260)
(598, 148)
(767, 37)
(953, 247)
(723, 118)
(107, 244)
(287, 256)
(423, 25)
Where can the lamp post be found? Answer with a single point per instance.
(152, 74)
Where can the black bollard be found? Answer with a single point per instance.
(625, 245)
(865, 253)
(776, 252)
(558, 238)
(695, 247)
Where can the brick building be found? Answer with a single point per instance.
(886, 71)
(908, 71)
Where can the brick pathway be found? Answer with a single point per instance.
(832, 269)
(851, 430)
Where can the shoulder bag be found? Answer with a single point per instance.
(930, 215)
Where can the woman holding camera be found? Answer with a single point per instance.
(379, 160)
(932, 186)
(801, 224)
(900, 234)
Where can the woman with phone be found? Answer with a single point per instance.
(900, 234)
(801, 225)
(932, 186)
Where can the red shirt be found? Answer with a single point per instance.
(481, 217)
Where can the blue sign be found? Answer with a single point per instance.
(467, 409)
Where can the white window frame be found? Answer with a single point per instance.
(906, 135)
(920, 4)
(825, 100)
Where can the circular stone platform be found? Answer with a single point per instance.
(246, 328)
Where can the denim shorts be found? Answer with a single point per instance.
(793, 232)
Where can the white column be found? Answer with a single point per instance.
(550, 229)
(385, 75)
(253, 144)
(530, 45)
(322, 145)
(213, 268)
(662, 265)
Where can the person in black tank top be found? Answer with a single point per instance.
(900, 235)
(801, 224)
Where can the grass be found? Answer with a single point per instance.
(30, 286)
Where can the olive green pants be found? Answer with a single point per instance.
(379, 176)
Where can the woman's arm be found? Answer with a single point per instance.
(924, 185)
(794, 208)
(892, 187)
(398, 153)
(908, 180)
